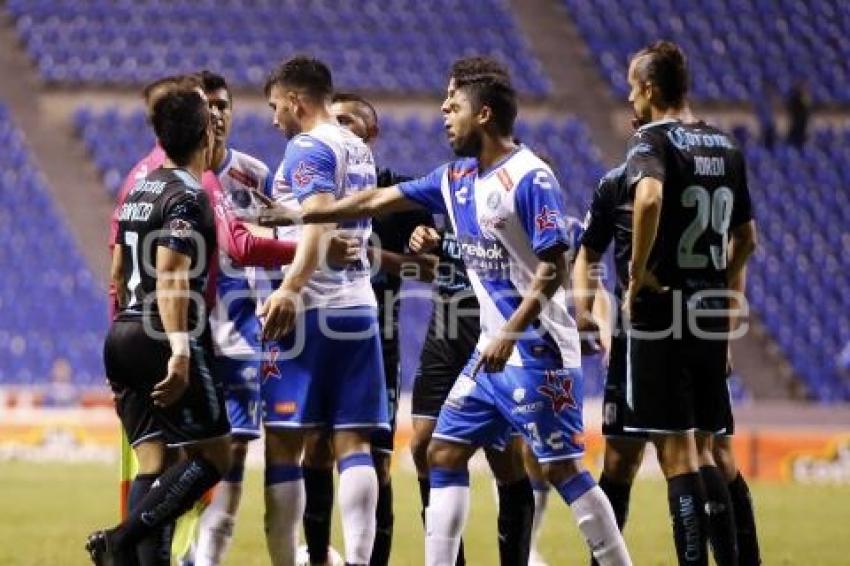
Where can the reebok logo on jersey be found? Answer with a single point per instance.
(547, 219)
(462, 195)
(559, 391)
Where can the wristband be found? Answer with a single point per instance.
(179, 342)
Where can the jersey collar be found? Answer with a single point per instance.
(499, 163)
(657, 123)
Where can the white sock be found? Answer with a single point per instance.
(285, 501)
(595, 519)
(215, 531)
(446, 516)
(541, 500)
(358, 500)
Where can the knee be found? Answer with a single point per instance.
(219, 454)
(622, 462)
(282, 449)
(445, 455)
(419, 451)
(318, 454)
(507, 465)
(558, 472)
(383, 463)
(150, 457)
(725, 459)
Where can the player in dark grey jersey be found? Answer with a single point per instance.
(158, 350)
(610, 220)
(689, 185)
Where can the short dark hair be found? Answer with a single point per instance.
(187, 82)
(353, 97)
(479, 65)
(305, 73)
(664, 64)
(487, 83)
(212, 81)
(180, 119)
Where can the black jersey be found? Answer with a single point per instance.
(610, 218)
(167, 208)
(705, 195)
(393, 232)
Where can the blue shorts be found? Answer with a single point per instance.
(543, 404)
(241, 395)
(328, 372)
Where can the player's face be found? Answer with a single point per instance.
(221, 114)
(349, 116)
(639, 94)
(284, 103)
(463, 128)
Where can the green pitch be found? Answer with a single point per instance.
(47, 509)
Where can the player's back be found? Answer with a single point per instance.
(167, 208)
(704, 194)
(330, 159)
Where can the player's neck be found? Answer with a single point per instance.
(321, 116)
(682, 113)
(195, 166)
(494, 150)
(219, 155)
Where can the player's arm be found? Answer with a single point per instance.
(279, 310)
(742, 245)
(551, 273)
(172, 296)
(645, 171)
(363, 204)
(585, 285)
(118, 284)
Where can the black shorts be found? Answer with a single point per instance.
(135, 362)
(675, 383)
(448, 347)
(384, 440)
(614, 397)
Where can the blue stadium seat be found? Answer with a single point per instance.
(403, 46)
(50, 304)
(735, 47)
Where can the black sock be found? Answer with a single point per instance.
(686, 498)
(384, 526)
(721, 517)
(172, 494)
(153, 550)
(745, 522)
(619, 494)
(425, 496)
(319, 486)
(516, 514)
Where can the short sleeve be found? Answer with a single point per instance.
(645, 157)
(267, 184)
(309, 167)
(742, 206)
(541, 212)
(180, 224)
(599, 222)
(427, 191)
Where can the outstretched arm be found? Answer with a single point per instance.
(363, 204)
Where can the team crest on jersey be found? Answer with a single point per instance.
(269, 369)
(547, 219)
(179, 228)
(303, 174)
(559, 391)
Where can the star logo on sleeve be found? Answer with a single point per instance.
(559, 391)
(303, 174)
(269, 369)
(547, 219)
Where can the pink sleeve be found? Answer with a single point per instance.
(237, 241)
